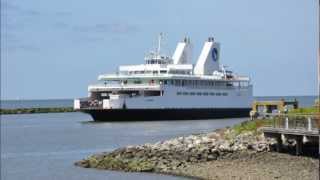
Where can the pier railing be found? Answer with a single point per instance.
(301, 128)
(295, 122)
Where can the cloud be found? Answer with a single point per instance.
(18, 47)
(117, 28)
(63, 13)
(61, 25)
(8, 37)
(87, 39)
(7, 8)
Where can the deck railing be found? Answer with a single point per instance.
(102, 87)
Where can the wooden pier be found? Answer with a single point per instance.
(301, 128)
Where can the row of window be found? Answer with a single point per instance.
(196, 83)
(202, 93)
(187, 83)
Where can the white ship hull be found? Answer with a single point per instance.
(176, 104)
(234, 98)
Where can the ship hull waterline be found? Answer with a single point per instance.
(165, 114)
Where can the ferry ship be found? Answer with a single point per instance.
(170, 88)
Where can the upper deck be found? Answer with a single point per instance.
(158, 81)
(106, 77)
(160, 70)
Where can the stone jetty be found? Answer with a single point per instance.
(37, 110)
(167, 156)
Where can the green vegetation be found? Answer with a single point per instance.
(307, 110)
(317, 102)
(36, 110)
(251, 126)
(254, 125)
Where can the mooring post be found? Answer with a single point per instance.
(309, 124)
(299, 144)
(279, 143)
(287, 122)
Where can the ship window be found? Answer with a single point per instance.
(137, 82)
(212, 94)
(192, 93)
(178, 82)
(224, 94)
(104, 94)
(185, 93)
(179, 93)
(199, 93)
(205, 94)
(218, 94)
(163, 71)
(152, 93)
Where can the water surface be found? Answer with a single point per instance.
(45, 146)
(304, 101)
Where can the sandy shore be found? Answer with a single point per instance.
(256, 166)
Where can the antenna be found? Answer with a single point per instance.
(159, 43)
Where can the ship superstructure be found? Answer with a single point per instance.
(166, 88)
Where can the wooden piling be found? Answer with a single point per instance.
(299, 144)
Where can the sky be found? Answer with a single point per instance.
(55, 49)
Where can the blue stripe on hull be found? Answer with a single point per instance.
(165, 114)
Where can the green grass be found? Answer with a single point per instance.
(251, 126)
(307, 110)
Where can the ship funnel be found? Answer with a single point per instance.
(183, 52)
(209, 58)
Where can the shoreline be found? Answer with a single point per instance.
(203, 156)
(37, 110)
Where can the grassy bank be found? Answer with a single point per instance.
(306, 110)
(251, 126)
(36, 110)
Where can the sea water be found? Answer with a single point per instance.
(45, 146)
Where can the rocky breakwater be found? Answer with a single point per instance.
(37, 110)
(178, 153)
